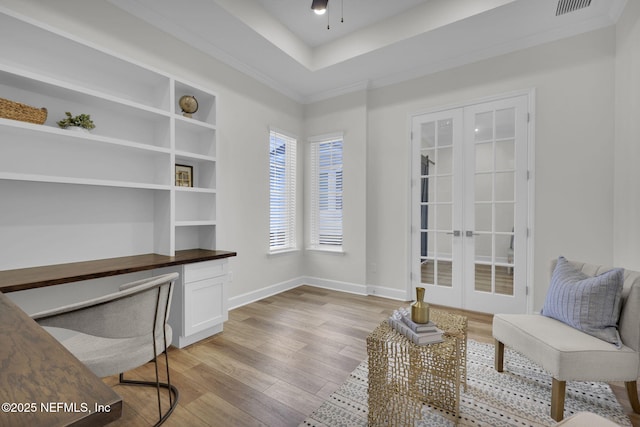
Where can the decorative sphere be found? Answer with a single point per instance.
(189, 104)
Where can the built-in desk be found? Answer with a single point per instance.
(49, 275)
(37, 374)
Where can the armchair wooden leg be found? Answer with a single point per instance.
(557, 399)
(499, 358)
(632, 392)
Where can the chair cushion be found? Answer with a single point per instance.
(590, 304)
(563, 351)
(586, 419)
(110, 356)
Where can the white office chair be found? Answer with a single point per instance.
(120, 331)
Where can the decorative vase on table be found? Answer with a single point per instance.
(420, 309)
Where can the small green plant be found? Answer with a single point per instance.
(82, 120)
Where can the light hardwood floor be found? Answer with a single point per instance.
(276, 361)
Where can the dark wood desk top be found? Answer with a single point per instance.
(37, 277)
(38, 374)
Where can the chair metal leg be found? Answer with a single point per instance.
(166, 355)
(166, 359)
(557, 399)
(155, 364)
(174, 394)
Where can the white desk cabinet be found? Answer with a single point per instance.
(199, 306)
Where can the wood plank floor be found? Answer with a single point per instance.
(276, 361)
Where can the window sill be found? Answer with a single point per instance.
(283, 251)
(337, 251)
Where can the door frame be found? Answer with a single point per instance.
(413, 275)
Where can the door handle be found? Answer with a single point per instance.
(456, 233)
(469, 233)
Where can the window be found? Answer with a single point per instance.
(326, 194)
(282, 191)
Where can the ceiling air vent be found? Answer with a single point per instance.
(566, 6)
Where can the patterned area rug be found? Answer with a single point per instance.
(520, 396)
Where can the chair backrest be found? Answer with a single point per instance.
(130, 312)
(629, 323)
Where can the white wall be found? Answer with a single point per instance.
(627, 140)
(347, 114)
(574, 80)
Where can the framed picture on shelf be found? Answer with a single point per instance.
(184, 176)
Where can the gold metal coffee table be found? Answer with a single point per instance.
(404, 376)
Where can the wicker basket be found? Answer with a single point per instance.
(17, 111)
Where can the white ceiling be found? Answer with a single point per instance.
(286, 46)
(312, 29)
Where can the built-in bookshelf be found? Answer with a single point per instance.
(75, 196)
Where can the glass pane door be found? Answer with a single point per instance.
(496, 187)
(494, 140)
(436, 145)
(469, 206)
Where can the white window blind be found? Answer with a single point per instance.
(282, 190)
(326, 194)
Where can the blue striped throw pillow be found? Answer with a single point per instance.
(590, 304)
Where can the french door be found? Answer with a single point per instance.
(469, 205)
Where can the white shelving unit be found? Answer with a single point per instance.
(72, 196)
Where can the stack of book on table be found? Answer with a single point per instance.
(418, 333)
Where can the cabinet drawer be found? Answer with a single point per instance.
(204, 270)
(204, 305)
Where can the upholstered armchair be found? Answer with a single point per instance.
(120, 331)
(570, 354)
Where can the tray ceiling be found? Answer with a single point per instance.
(285, 45)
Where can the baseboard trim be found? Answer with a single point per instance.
(249, 297)
(334, 285)
(354, 288)
(391, 293)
